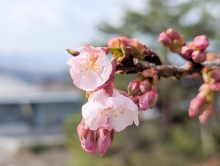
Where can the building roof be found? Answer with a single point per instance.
(15, 90)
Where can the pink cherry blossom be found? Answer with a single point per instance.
(110, 112)
(90, 69)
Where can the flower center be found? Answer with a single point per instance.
(107, 111)
(89, 66)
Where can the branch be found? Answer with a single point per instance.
(167, 70)
(212, 63)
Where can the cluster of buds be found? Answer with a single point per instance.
(172, 40)
(94, 141)
(196, 49)
(143, 91)
(202, 104)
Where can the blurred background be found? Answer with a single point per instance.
(40, 108)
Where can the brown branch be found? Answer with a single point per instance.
(167, 70)
(212, 63)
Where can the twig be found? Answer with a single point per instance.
(167, 70)
(212, 63)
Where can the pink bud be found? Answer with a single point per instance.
(192, 46)
(105, 137)
(215, 86)
(145, 86)
(198, 56)
(206, 115)
(186, 52)
(196, 105)
(148, 100)
(152, 74)
(134, 87)
(137, 49)
(87, 138)
(215, 75)
(165, 39)
(135, 99)
(173, 34)
(204, 88)
(201, 42)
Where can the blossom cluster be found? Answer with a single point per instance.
(109, 109)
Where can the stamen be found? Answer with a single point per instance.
(115, 115)
(122, 111)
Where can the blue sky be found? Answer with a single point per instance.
(38, 32)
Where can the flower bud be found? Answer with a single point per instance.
(72, 52)
(215, 75)
(201, 42)
(93, 141)
(192, 46)
(200, 102)
(152, 74)
(135, 99)
(176, 47)
(196, 106)
(215, 86)
(173, 34)
(105, 137)
(186, 52)
(198, 56)
(145, 86)
(134, 87)
(211, 75)
(87, 138)
(165, 39)
(115, 42)
(205, 116)
(137, 49)
(148, 100)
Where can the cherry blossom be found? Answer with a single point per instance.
(90, 69)
(110, 112)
